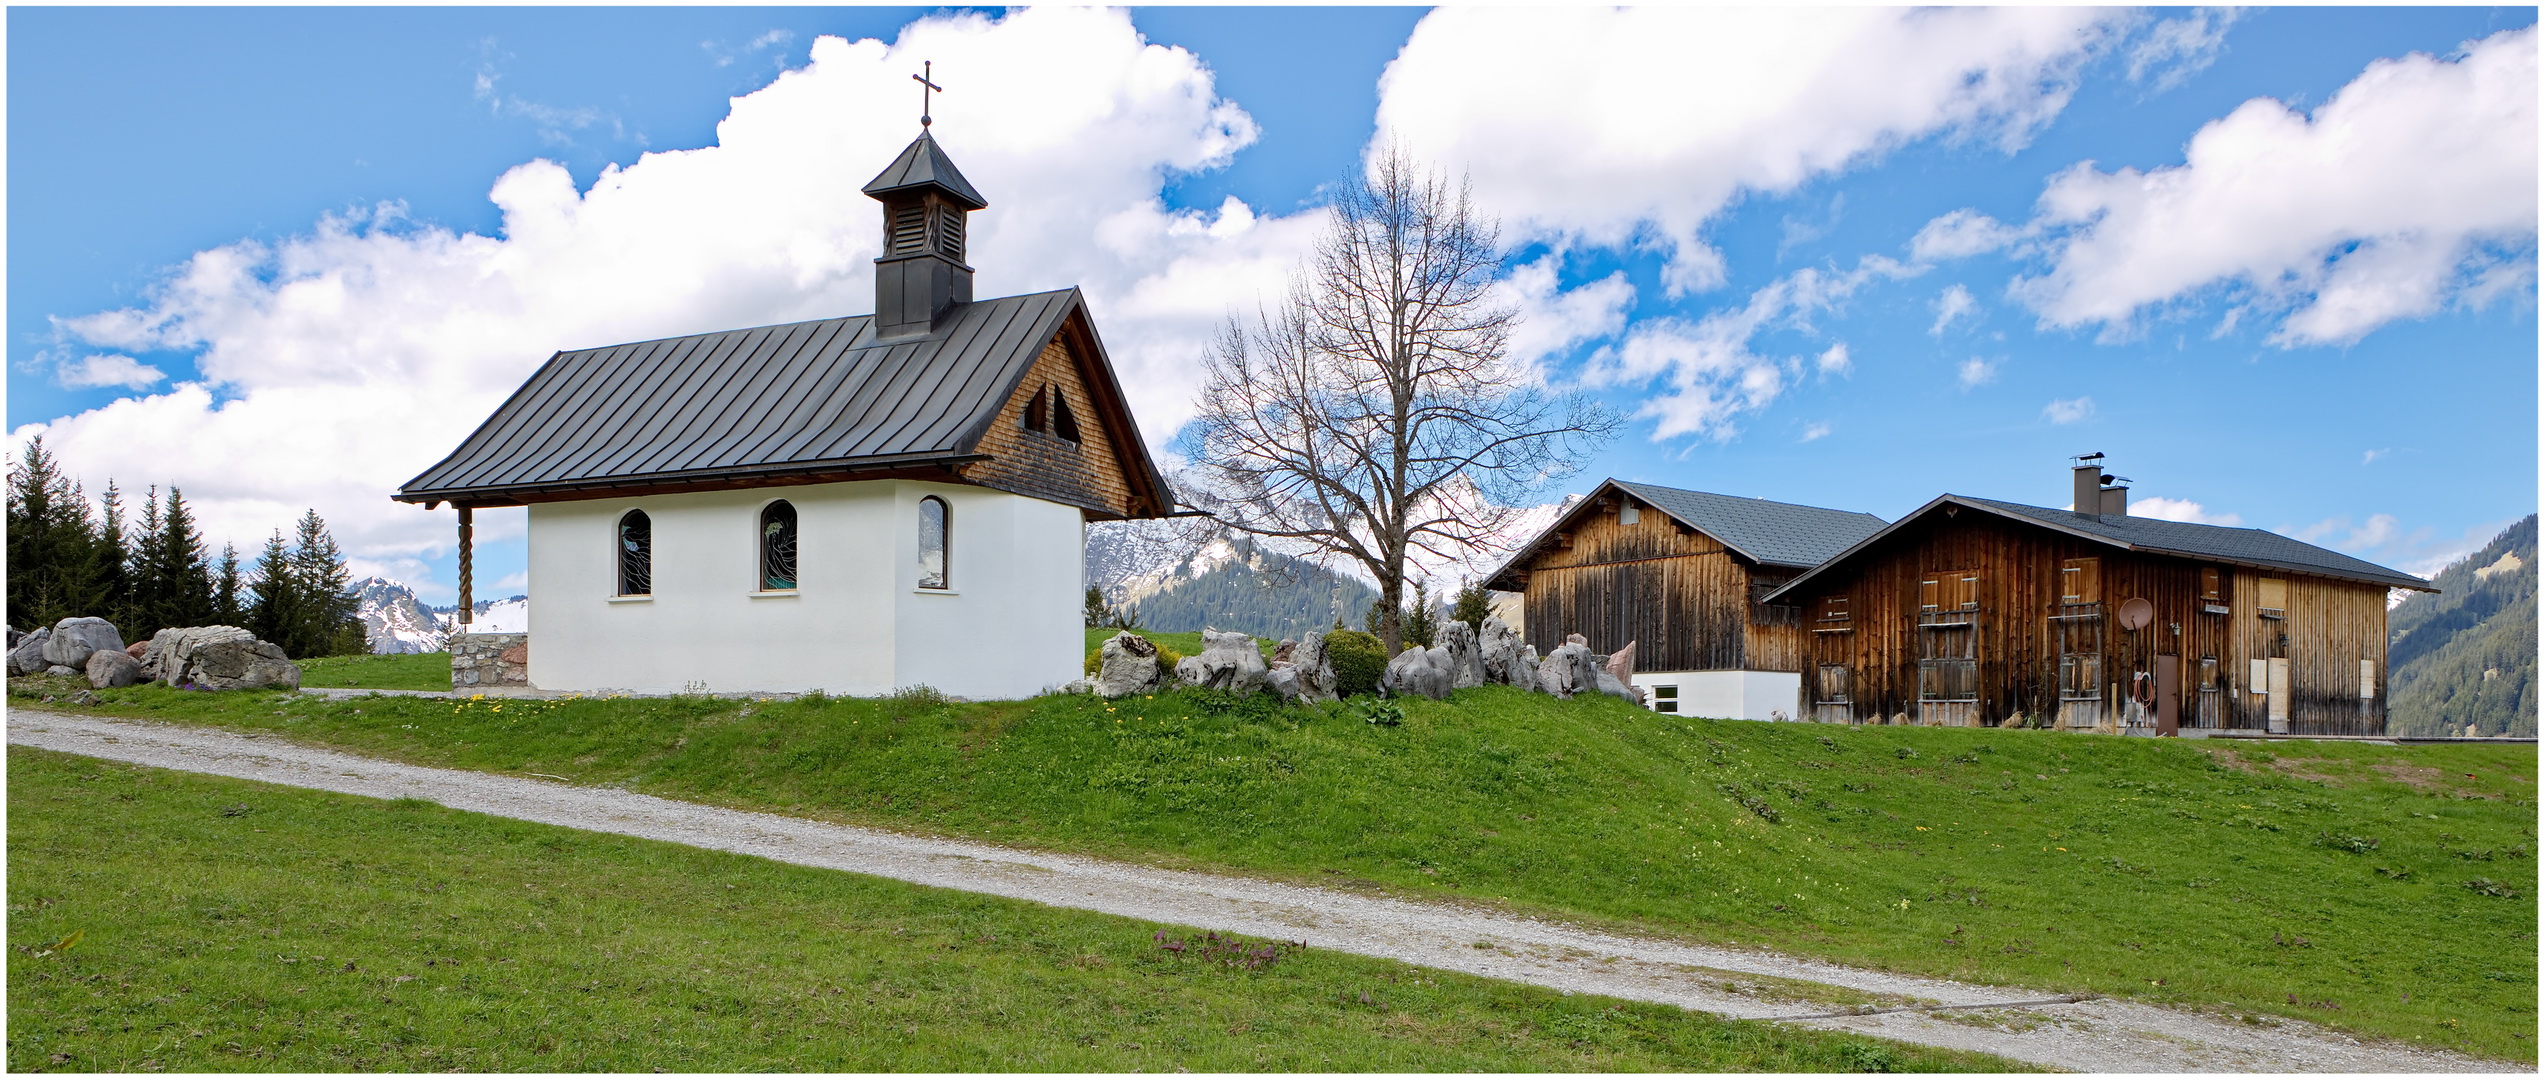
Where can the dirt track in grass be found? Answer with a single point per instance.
(2100, 1035)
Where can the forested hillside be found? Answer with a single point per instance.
(1263, 594)
(2466, 655)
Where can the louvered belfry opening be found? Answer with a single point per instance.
(921, 274)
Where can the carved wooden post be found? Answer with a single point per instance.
(467, 538)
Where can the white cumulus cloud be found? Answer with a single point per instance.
(2414, 185)
(107, 369)
(1708, 369)
(2157, 506)
(339, 363)
(1835, 360)
(2068, 410)
(1954, 303)
(1976, 372)
(1625, 126)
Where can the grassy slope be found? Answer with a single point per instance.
(391, 671)
(2180, 871)
(237, 926)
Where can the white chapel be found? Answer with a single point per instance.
(855, 505)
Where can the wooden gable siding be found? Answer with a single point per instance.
(2022, 574)
(1087, 474)
(1682, 597)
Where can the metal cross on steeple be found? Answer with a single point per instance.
(927, 87)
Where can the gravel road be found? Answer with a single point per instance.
(2093, 1035)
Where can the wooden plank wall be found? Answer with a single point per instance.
(1680, 595)
(1088, 474)
(2331, 626)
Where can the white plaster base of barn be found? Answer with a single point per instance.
(2095, 1035)
(1726, 695)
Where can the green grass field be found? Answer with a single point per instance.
(407, 671)
(232, 926)
(2384, 890)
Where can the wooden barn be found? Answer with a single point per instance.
(1681, 575)
(1975, 612)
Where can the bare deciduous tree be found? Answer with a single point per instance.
(1375, 411)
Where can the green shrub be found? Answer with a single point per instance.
(1166, 658)
(1358, 660)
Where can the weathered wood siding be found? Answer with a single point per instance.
(1087, 474)
(1686, 601)
(2020, 616)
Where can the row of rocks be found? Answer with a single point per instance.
(1300, 671)
(1465, 659)
(198, 657)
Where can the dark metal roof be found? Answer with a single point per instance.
(1763, 531)
(2216, 543)
(1767, 532)
(924, 164)
(797, 398)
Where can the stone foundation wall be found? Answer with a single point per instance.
(489, 660)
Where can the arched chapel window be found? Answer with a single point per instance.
(935, 524)
(777, 546)
(635, 554)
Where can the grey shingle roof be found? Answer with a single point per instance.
(2215, 543)
(1768, 532)
(769, 401)
(1763, 531)
(921, 164)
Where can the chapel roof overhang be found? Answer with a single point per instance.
(795, 403)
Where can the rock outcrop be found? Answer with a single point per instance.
(28, 657)
(1229, 662)
(1419, 672)
(1499, 647)
(109, 668)
(1466, 661)
(1127, 665)
(76, 637)
(217, 658)
(1571, 669)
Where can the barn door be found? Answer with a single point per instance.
(2168, 695)
(1948, 675)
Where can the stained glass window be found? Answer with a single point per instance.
(635, 554)
(934, 527)
(777, 546)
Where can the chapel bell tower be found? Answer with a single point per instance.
(921, 273)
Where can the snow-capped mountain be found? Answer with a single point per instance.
(1135, 561)
(396, 622)
(399, 623)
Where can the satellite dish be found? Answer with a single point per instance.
(2136, 613)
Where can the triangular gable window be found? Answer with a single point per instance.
(1063, 423)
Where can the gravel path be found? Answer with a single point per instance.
(2096, 1035)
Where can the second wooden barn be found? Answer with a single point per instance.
(1680, 575)
(1976, 612)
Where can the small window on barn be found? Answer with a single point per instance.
(2274, 598)
(1665, 699)
(1038, 411)
(635, 554)
(777, 546)
(1063, 422)
(2212, 590)
(935, 530)
(1949, 591)
(2080, 581)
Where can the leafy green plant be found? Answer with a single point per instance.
(1358, 661)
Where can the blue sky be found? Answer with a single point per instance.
(1736, 263)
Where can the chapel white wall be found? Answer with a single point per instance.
(855, 624)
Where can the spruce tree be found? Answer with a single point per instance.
(52, 543)
(189, 572)
(113, 559)
(144, 592)
(278, 607)
(1473, 604)
(326, 586)
(226, 586)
